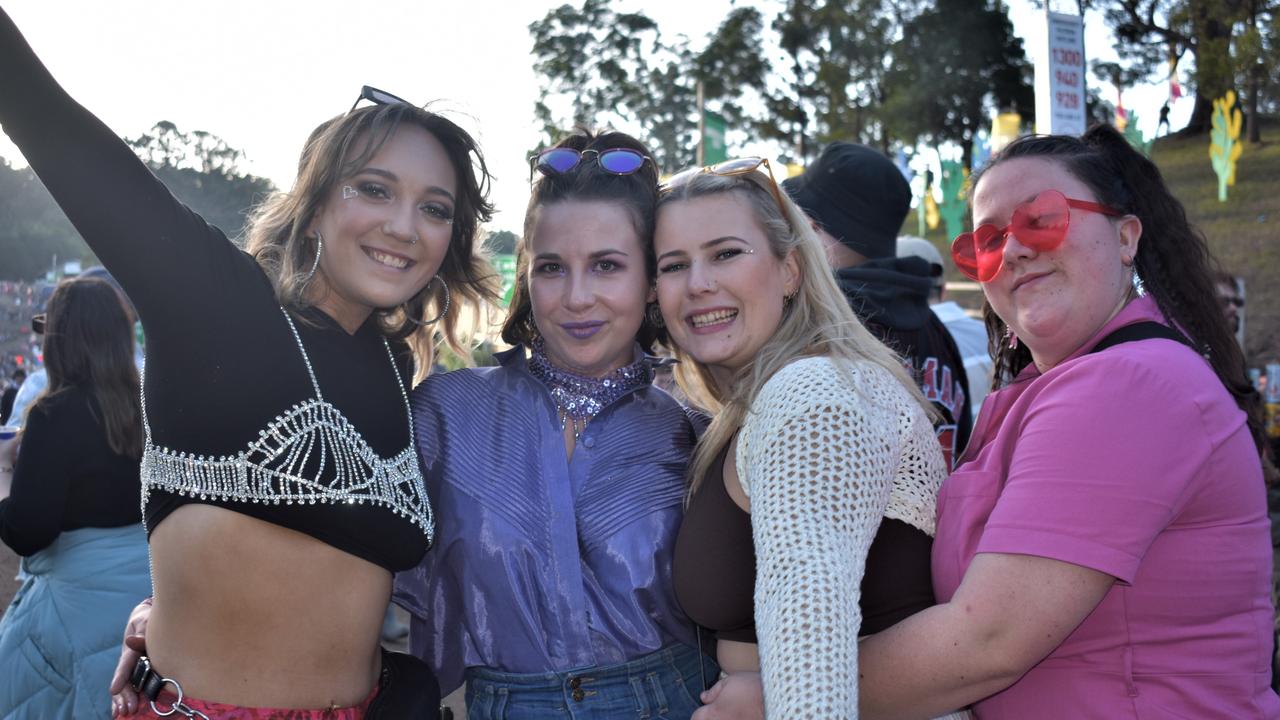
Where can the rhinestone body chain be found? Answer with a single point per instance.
(269, 471)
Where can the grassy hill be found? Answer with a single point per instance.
(1243, 232)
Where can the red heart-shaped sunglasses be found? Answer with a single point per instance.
(1040, 224)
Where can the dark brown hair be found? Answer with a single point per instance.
(1173, 261)
(637, 193)
(88, 343)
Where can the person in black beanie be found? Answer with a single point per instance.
(857, 200)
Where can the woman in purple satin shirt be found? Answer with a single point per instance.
(557, 477)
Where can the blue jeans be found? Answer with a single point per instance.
(663, 685)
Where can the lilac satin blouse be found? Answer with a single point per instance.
(542, 563)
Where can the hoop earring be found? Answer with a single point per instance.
(435, 319)
(653, 314)
(315, 264)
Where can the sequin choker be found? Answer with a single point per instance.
(580, 398)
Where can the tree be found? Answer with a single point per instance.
(203, 171)
(1150, 33)
(167, 146)
(501, 242)
(733, 70)
(831, 84)
(595, 59)
(837, 54)
(829, 89)
(1257, 54)
(953, 64)
(200, 169)
(601, 67)
(33, 229)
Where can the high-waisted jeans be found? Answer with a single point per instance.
(663, 685)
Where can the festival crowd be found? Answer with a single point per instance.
(855, 501)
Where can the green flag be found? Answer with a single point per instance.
(506, 267)
(713, 145)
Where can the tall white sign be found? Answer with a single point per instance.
(1060, 78)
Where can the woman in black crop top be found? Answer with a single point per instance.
(72, 510)
(280, 487)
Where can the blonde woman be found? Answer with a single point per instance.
(811, 510)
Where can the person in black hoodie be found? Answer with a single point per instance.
(857, 200)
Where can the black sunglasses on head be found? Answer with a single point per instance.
(377, 97)
(37, 323)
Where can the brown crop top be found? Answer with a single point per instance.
(714, 569)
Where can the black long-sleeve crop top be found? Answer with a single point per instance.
(67, 476)
(231, 405)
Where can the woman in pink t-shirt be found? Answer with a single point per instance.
(1103, 551)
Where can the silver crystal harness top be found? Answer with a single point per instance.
(269, 470)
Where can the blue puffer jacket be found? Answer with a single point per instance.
(60, 637)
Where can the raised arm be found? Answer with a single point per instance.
(153, 244)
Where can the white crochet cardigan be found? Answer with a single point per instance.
(828, 448)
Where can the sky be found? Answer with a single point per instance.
(262, 73)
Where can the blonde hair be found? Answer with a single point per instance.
(276, 236)
(817, 321)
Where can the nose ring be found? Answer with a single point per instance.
(412, 239)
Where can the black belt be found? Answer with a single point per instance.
(150, 684)
(407, 688)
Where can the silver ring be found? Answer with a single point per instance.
(176, 703)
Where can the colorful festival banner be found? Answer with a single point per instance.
(1224, 141)
(1005, 128)
(953, 207)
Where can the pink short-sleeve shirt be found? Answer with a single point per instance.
(1135, 462)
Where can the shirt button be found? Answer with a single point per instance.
(589, 441)
(575, 683)
(578, 695)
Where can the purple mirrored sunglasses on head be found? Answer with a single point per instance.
(557, 161)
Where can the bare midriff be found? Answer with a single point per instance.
(735, 656)
(257, 615)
